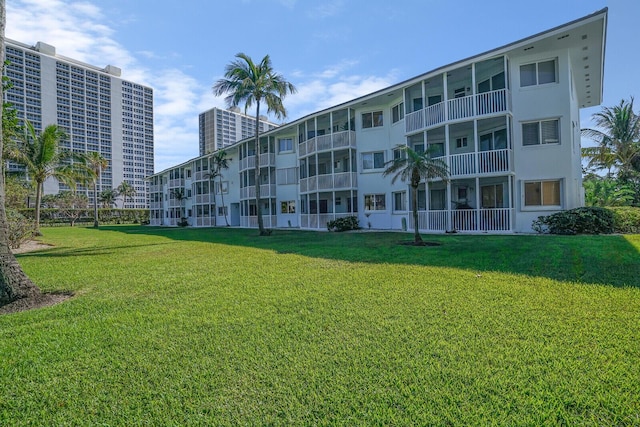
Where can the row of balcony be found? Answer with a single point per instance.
(481, 104)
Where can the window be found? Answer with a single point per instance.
(538, 73)
(287, 176)
(400, 201)
(492, 196)
(461, 142)
(373, 160)
(542, 193)
(542, 132)
(222, 211)
(398, 153)
(285, 144)
(397, 113)
(437, 200)
(372, 120)
(288, 207)
(222, 187)
(374, 202)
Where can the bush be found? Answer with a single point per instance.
(587, 220)
(626, 219)
(343, 224)
(52, 217)
(19, 228)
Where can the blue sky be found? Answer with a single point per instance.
(332, 50)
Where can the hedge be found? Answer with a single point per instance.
(50, 217)
(590, 220)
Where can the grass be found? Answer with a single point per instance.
(221, 327)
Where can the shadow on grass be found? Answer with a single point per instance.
(609, 260)
(88, 251)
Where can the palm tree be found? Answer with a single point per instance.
(108, 197)
(97, 163)
(219, 162)
(180, 195)
(41, 155)
(249, 83)
(617, 136)
(127, 191)
(14, 283)
(414, 167)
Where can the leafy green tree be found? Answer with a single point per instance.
(97, 164)
(42, 157)
(68, 204)
(617, 136)
(414, 167)
(218, 163)
(108, 197)
(127, 191)
(607, 191)
(250, 83)
(14, 283)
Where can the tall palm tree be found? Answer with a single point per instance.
(14, 283)
(249, 83)
(41, 155)
(219, 162)
(414, 167)
(617, 136)
(127, 191)
(97, 163)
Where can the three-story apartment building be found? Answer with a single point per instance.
(506, 122)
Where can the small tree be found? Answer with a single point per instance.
(108, 198)
(127, 191)
(97, 164)
(40, 153)
(180, 195)
(69, 205)
(414, 167)
(219, 162)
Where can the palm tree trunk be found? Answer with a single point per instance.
(38, 202)
(224, 211)
(14, 283)
(95, 204)
(263, 232)
(414, 209)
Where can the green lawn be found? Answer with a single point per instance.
(222, 327)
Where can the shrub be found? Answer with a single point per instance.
(586, 220)
(19, 228)
(343, 224)
(626, 219)
(183, 222)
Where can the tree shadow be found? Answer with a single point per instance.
(604, 259)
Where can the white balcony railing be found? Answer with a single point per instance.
(343, 180)
(494, 161)
(327, 142)
(481, 104)
(493, 219)
(266, 159)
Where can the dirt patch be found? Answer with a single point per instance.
(39, 301)
(30, 246)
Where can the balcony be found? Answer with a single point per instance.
(338, 181)
(266, 160)
(327, 142)
(269, 221)
(481, 220)
(478, 105)
(483, 162)
(266, 191)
